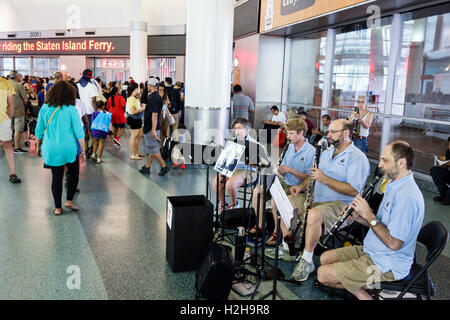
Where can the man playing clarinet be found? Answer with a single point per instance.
(340, 176)
(388, 249)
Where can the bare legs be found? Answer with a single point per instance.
(9, 154)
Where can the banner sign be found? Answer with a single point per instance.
(278, 13)
(66, 46)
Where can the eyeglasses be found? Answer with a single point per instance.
(334, 131)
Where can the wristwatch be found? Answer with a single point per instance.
(374, 222)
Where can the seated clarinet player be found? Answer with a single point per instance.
(294, 168)
(340, 176)
(388, 249)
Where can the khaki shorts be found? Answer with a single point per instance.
(330, 210)
(19, 123)
(355, 269)
(5, 130)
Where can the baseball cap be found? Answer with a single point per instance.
(153, 81)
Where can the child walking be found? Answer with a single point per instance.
(98, 135)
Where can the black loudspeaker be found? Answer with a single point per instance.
(233, 218)
(189, 231)
(214, 277)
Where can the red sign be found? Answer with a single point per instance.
(65, 46)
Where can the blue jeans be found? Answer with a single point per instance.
(361, 144)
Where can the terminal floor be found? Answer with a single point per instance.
(117, 239)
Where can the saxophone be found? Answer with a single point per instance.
(321, 145)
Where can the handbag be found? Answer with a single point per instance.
(102, 121)
(280, 139)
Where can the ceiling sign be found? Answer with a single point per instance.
(66, 46)
(278, 13)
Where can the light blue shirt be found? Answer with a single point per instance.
(350, 166)
(401, 211)
(300, 161)
(60, 144)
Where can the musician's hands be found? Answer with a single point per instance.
(317, 175)
(362, 208)
(283, 170)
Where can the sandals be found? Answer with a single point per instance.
(57, 214)
(135, 158)
(252, 231)
(272, 241)
(223, 205)
(71, 207)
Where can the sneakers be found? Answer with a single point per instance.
(117, 142)
(164, 171)
(302, 270)
(282, 254)
(144, 170)
(19, 151)
(175, 166)
(236, 206)
(99, 160)
(14, 178)
(183, 166)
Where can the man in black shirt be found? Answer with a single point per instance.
(441, 177)
(152, 127)
(175, 100)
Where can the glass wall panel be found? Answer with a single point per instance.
(306, 69)
(422, 86)
(360, 68)
(23, 65)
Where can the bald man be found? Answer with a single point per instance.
(341, 175)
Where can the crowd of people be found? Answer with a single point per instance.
(61, 112)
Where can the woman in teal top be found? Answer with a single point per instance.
(60, 126)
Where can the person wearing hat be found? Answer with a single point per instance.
(88, 93)
(152, 129)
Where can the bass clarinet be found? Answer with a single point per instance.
(366, 194)
(321, 145)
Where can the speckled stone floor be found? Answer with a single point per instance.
(116, 242)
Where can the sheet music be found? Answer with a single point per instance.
(284, 206)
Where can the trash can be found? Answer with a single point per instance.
(189, 231)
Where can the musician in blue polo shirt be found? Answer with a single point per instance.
(295, 168)
(341, 175)
(388, 250)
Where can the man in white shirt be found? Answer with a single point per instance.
(88, 92)
(278, 120)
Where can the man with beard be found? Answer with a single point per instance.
(341, 175)
(388, 249)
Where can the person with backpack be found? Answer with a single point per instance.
(99, 136)
(174, 96)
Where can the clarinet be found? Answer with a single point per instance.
(366, 194)
(321, 145)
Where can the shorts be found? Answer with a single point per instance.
(356, 269)
(5, 130)
(330, 210)
(19, 123)
(118, 125)
(134, 123)
(151, 146)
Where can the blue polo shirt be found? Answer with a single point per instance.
(350, 166)
(401, 211)
(301, 161)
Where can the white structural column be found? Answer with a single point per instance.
(209, 49)
(138, 43)
(394, 55)
(328, 75)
